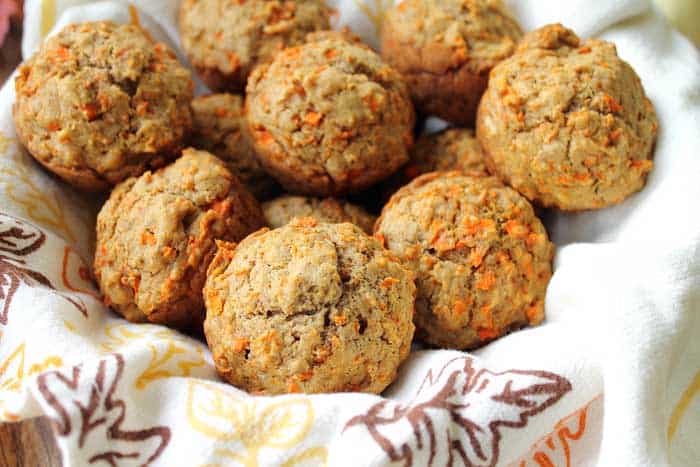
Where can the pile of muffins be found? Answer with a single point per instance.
(224, 213)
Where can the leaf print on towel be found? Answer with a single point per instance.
(578, 432)
(86, 412)
(245, 427)
(171, 354)
(18, 240)
(40, 204)
(476, 402)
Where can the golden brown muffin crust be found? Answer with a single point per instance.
(156, 234)
(567, 123)
(280, 211)
(329, 117)
(445, 50)
(453, 149)
(226, 39)
(101, 102)
(219, 128)
(308, 308)
(482, 258)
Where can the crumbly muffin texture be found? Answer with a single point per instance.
(567, 123)
(280, 211)
(226, 39)
(482, 258)
(453, 149)
(308, 308)
(329, 117)
(101, 102)
(219, 127)
(156, 236)
(445, 50)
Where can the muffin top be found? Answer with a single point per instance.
(219, 127)
(226, 39)
(308, 307)
(280, 211)
(567, 123)
(156, 236)
(454, 149)
(101, 102)
(329, 117)
(482, 258)
(442, 35)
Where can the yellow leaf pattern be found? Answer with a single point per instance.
(248, 426)
(376, 14)
(13, 371)
(171, 354)
(40, 204)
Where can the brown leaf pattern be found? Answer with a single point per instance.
(474, 404)
(85, 410)
(19, 239)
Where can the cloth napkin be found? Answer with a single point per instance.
(611, 378)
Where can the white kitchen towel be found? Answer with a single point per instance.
(611, 378)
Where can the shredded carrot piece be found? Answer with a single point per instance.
(142, 108)
(137, 283)
(487, 333)
(233, 60)
(644, 165)
(388, 282)
(264, 137)
(487, 281)
(305, 376)
(293, 387)
(240, 344)
(340, 320)
(62, 53)
(459, 307)
(515, 229)
(584, 50)
(221, 207)
(533, 313)
(313, 118)
(221, 112)
(330, 53)
(380, 238)
(147, 238)
(53, 126)
(612, 104)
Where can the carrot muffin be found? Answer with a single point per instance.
(101, 102)
(156, 234)
(219, 128)
(567, 123)
(226, 39)
(282, 210)
(308, 308)
(482, 258)
(445, 50)
(448, 150)
(329, 117)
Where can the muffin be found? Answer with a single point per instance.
(329, 117)
(567, 123)
(102, 102)
(308, 308)
(481, 257)
(445, 50)
(282, 210)
(156, 236)
(218, 127)
(226, 39)
(448, 150)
